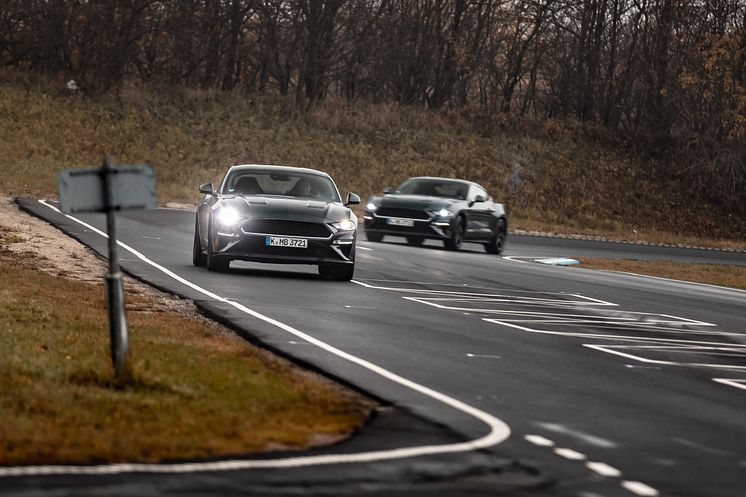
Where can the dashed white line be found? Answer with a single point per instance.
(498, 430)
(539, 440)
(603, 469)
(571, 454)
(640, 488)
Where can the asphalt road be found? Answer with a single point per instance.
(504, 376)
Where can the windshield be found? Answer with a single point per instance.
(434, 188)
(282, 184)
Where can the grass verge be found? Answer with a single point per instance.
(563, 176)
(196, 390)
(713, 274)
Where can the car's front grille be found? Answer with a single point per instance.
(285, 227)
(397, 212)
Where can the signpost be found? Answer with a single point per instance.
(109, 189)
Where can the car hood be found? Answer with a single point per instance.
(414, 201)
(288, 208)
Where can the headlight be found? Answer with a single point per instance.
(371, 207)
(444, 213)
(346, 225)
(228, 216)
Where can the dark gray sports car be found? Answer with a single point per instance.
(276, 214)
(451, 210)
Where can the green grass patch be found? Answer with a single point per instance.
(194, 389)
(712, 274)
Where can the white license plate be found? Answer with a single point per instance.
(283, 241)
(397, 221)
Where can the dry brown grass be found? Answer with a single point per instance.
(557, 174)
(712, 274)
(196, 389)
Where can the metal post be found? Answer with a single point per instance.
(114, 293)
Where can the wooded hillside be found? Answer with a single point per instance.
(667, 77)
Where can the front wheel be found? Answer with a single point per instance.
(457, 235)
(372, 236)
(497, 244)
(199, 259)
(338, 272)
(214, 262)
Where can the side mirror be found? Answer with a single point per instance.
(388, 190)
(480, 198)
(206, 188)
(352, 199)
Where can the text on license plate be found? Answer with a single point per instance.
(397, 221)
(283, 241)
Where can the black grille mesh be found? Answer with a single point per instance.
(397, 212)
(288, 228)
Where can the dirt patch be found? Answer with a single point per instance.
(59, 255)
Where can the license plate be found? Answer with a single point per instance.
(283, 241)
(397, 221)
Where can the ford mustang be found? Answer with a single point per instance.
(451, 210)
(276, 214)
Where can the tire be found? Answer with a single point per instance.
(497, 244)
(199, 259)
(214, 262)
(337, 272)
(372, 236)
(457, 235)
(415, 240)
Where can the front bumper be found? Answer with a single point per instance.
(338, 248)
(434, 227)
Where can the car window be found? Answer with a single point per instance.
(434, 188)
(282, 184)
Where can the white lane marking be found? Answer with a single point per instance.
(694, 445)
(603, 336)
(485, 356)
(364, 248)
(583, 437)
(573, 455)
(498, 430)
(612, 349)
(603, 469)
(516, 258)
(539, 440)
(732, 382)
(639, 488)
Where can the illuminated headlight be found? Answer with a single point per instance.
(346, 225)
(444, 213)
(228, 216)
(371, 207)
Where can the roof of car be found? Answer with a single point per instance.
(454, 180)
(272, 167)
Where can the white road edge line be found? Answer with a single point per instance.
(498, 430)
(737, 383)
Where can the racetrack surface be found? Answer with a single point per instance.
(504, 374)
